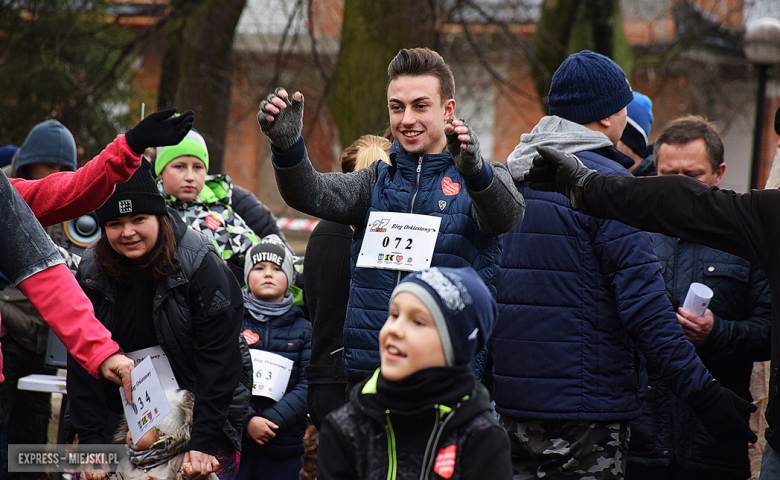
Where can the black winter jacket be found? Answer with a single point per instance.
(326, 284)
(254, 212)
(357, 441)
(288, 335)
(740, 335)
(197, 319)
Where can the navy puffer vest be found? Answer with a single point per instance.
(413, 184)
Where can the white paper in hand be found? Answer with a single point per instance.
(161, 365)
(698, 298)
(149, 402)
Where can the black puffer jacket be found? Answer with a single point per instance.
(740, 335)
(254, 212)
(197, 319)
(358, 441)
(327, 290)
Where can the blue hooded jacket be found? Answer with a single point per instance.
(581, 305)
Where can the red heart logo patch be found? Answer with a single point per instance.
(250, 336)
(449, 187)
(445, 461)
(211, 222)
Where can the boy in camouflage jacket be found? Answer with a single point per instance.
(204, 201)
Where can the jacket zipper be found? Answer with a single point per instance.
(411, 207)
(417, 186)
(430, 450)
(392, 461)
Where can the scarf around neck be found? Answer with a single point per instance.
(263, 311)
(165, 448)
(429, 386)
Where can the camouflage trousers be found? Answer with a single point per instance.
(564, 449)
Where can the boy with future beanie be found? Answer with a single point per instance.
(422, 412)
(569, 354)
(276, 332)
(204, 201)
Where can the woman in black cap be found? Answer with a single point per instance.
(156, 283)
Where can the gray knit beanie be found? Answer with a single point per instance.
(47, 142)
(270, 249)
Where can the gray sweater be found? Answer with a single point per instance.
(345, 197)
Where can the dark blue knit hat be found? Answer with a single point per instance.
(7, 154)
(461, 306)
(47, 142)
(588, 87)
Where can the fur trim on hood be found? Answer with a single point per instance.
(174, 431)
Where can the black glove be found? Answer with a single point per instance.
(468, 161)
(285, 130)
(159, 129)
(723, 413)
(560, 172)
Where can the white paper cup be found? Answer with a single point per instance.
(698, 298)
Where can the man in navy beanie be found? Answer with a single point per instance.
(581, 300)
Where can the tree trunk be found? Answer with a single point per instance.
(566, 27)
(372, 34)
(197, 67)
(550, 42)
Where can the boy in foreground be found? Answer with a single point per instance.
(422, 413)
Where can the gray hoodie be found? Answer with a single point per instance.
(555, 132)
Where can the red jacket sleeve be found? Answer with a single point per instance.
(73, 320)
(67, 195)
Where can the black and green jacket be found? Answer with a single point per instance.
(363, 440)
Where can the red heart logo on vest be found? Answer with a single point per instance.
(211, 222)
(448, 187)
(445, 461)
(250, 336)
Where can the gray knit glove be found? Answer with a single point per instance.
(285, 130)
(468, 161)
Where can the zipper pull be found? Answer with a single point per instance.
(419, 165)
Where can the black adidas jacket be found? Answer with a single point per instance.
(197, 314)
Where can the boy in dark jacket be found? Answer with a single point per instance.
(422, 413)
(204, 201)
(279, 339)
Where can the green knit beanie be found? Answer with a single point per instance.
(193, 144)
